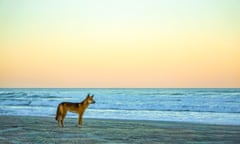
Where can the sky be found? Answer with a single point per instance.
(120, 43)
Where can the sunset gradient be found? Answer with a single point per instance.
(120, 43)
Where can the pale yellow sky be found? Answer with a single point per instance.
(127, 43)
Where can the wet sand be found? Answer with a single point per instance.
(20, 129)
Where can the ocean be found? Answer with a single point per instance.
(208, 106)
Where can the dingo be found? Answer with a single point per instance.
(73, 107)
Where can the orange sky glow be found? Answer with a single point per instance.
(115, 44)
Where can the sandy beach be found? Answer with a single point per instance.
(21, 129)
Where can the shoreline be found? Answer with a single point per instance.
(32, 129)
(134, 120)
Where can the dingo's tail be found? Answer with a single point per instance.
(58, 113)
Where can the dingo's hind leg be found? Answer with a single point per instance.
(59, 123)
(59, 119)
(62, 118)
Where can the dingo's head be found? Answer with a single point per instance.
(90, 99)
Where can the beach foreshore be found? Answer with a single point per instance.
(28, 129)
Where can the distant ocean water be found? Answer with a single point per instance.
(211, 106)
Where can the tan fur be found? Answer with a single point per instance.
(78, 108)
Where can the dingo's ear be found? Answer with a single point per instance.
(88, 95)
(92, 96)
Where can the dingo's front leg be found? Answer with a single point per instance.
(80, 120)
